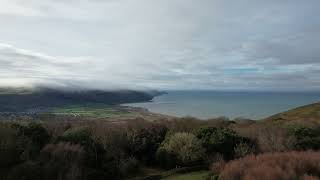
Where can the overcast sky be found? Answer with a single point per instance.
(161, 44)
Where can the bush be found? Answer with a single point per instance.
(185, 147)
(289, 165)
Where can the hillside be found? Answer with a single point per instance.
(22, 100)
(308, 113)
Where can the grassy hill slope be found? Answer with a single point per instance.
(308, 113)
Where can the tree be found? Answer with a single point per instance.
(220, 140)
(306, 138)
(143, 143)
(11, 148)
(26, 171)
(185, 147)
(129, 166)
(36, 132)
(35, 137)
(63, 161)
(83, 136)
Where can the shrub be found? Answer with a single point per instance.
(185, 147)
(288, 165)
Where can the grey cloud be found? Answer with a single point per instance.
(301, 49)
(176, 44)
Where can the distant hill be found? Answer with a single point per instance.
(29, 100)
(308, 113)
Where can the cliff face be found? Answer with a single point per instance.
(45, 98)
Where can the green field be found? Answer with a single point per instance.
(199, 175)
(94, 111)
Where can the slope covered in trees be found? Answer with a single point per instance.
(17, 100)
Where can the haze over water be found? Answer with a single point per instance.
(209, 104)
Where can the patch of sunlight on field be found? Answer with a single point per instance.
(200, 175)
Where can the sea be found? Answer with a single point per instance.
(212, 104)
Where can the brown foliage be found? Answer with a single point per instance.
(186, 124)
(269, 138)
(280, 166)
(217, 166)
(275, 139)
(307, 177)
(189, 124)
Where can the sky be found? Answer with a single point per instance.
(161, 44)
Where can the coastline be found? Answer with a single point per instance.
(233, 105)
(140, 112)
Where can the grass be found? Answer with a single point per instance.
(309, 112)
(94, 111)
(199, 175)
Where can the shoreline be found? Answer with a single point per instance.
(145, 113)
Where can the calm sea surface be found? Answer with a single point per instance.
(208, 104)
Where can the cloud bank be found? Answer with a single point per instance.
(169, 44)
